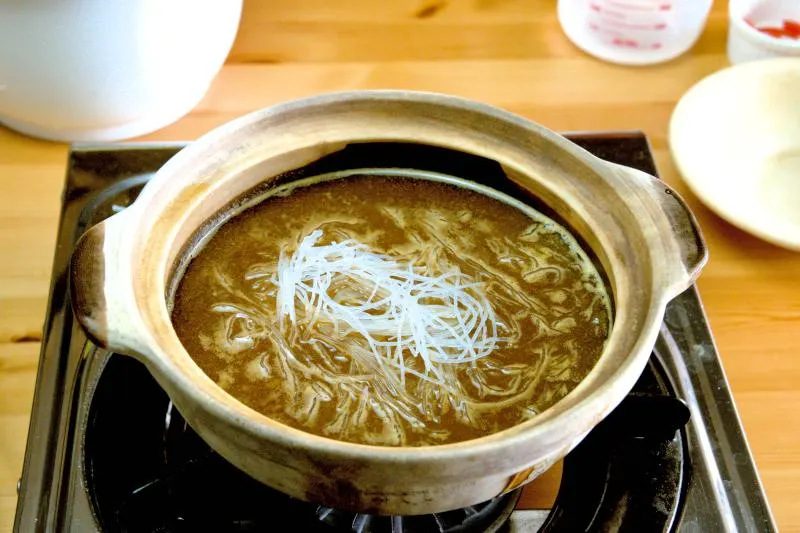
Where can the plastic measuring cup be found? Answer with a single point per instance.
(633, 32)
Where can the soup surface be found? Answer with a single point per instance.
(392, 311)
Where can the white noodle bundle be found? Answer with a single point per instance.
(395, 308)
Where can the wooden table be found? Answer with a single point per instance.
(510, 53)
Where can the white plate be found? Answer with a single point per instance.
(735, 138)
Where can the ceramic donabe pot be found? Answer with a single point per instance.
(641, 232)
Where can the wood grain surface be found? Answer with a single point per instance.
(509, 53)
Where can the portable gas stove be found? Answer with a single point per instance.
(107, 451)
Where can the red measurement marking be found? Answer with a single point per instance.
(631, 7)
(594, 7)
(625, 43)
(656, 46)
(665, 7)
(601, 29)
(629, 26)
(615, 14)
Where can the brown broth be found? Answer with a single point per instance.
(549, 299)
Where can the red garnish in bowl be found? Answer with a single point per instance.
(792, 28)
(789, 30)
(772, 32)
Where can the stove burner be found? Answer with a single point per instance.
(146, 478)
(148, 471)
(623, 476)
(484, 517)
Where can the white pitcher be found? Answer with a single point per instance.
(99, 70)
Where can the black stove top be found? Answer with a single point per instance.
(108, 451)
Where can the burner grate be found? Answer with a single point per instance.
(487, 516)
(152, 477)
(148, 471)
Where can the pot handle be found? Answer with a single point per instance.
(100, 291)
(685, 238)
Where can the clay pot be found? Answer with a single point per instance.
(123, 270)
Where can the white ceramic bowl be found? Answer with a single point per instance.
(735, 138)
(745, 43)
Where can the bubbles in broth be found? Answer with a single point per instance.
(392, 311)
